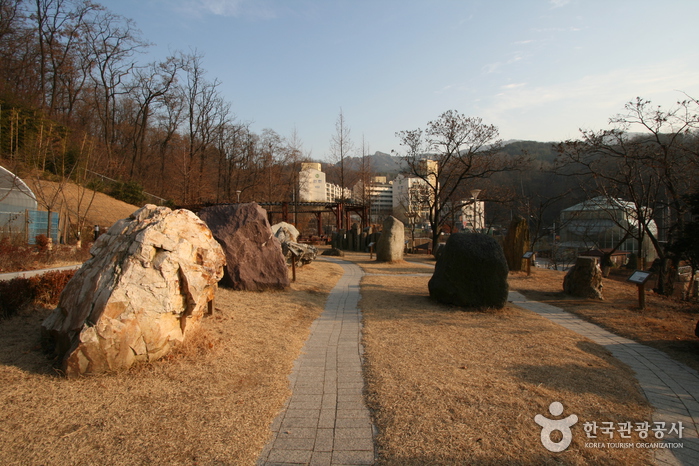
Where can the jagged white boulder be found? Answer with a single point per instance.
(285, 232)
(146, 287)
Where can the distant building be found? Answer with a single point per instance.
(378, 195)
(601, 223)
(411, 200)
(313, 186)
(312, 183)
(406, 198)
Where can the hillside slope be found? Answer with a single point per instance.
(103, 211)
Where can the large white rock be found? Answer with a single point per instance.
(285, 232)
(145, 288)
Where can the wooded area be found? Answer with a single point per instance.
(75, 102)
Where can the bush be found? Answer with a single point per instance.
(13, 255)
(42, 243)
(43, 290)
(15, 294)
(130, 192)
(47, 288)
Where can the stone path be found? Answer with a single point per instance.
(325, 422)
(671, 387)
(32, 273)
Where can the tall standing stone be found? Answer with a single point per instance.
(254, 257)
(145, 288)
(516, 243)
(392, 241)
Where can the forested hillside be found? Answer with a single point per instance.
(76, 101)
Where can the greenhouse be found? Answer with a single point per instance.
(18, 210)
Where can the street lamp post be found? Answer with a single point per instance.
(238, 193)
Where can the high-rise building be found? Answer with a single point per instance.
(473, 215)
(313, 186)
(411, 199)
(406, 198)
(312, 183)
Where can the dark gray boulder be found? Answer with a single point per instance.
(333, 252)
(471, 271)
(254, 257)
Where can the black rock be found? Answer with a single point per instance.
(471, 271)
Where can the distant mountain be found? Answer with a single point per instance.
(380, 163)
(537, 150)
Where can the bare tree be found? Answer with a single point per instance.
(62, 28)
(112, 42)
(150, 84)
(653, 170)
(341, 147)
(272, 147)
(453, 150)
(205, 111)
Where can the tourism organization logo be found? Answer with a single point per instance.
(549, 426)
(652, 434)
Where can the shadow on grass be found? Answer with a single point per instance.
(577, 378)
(485, 459)
(20, 343)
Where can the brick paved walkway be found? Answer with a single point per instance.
(325, 422)
(671, 387)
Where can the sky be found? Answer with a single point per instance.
(536, 69)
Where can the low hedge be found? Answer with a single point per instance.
(40, 290)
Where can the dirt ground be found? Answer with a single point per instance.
(452, 387)
(210, 403)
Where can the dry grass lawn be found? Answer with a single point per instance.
(452, 387)
(666, 324)
(210, 403)
(103, 211)
(445, 386)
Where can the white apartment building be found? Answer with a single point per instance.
(411, 199)
(406, 198)
(313, 186)
(378, 195)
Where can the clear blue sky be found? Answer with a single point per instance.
(537, 69)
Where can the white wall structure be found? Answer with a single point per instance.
(378, 195)
(406, 198)
(312, 184)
